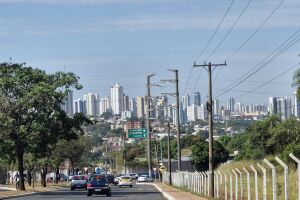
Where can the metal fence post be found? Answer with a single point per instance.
(207, 173)
(298, 167)
(248, 183)
(273, 178)
(201, 184)
(217, 184)
(255, 182)
(264, 170)
(236, 184)
(231, 192)
(225, 186)
(286, 177)
(241, 182)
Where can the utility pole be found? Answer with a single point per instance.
(176, 81)
(148, 98)
(124, 152)
(106, 153)
(210, 121)
(169, 155)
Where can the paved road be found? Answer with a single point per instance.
(138, 192)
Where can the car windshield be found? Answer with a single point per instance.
(78, 178)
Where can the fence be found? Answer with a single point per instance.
(261, 181)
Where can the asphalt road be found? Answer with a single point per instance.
(137, 192)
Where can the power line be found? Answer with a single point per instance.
(257, 29)
(263, 63)
(260, 86)
(208, 42)
(229, 31)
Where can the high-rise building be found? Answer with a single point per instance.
(132, 106)
(272, 108)
(230, 105)
(297, 106)
(186, 101)
(197, 98)
(79, 106)
(126, 103)
(105, 105)
(216, 107)
(117, 98)
(91, 104)
(67, 104)
(140, 104)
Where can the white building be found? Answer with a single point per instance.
(91, 104)
(105, 105)
(140, 104)
(117, 98)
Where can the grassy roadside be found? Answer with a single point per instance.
(29, 189)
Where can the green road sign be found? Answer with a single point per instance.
(137, 133)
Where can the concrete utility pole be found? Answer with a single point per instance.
(169, 155)
(106, 154)
(176, 81)
(148, 98)
(210, 121)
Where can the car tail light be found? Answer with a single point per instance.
(89, 185)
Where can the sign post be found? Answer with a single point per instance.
(137, 133)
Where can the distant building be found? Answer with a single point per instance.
(140, 104)
(67, 104)
(126, 103)
(133, 107)
(117, 98)
(105, 105)
(297, 106)
(79, 106)
(126, 115)
(197, 98)
(91, 104)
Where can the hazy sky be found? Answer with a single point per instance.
(121, 41)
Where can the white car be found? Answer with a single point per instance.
(134, 175)
(145, 178)
(125, 181)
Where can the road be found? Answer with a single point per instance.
(138, 192)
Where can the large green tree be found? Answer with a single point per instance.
(28, 96)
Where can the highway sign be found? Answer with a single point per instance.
(137, 133)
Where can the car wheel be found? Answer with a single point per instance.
(89, 193)
(108, 194)
(131, 186)
(119, 186)
(72, 188)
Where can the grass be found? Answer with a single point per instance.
(292, 184)
(29, 189)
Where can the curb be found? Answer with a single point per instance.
(24, 195)
(166, 195)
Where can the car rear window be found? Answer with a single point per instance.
(97, 178)
(126, 178)
(79, 178)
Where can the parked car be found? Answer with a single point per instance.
(145, 178)
(98, 184)
(125, 181)
(79, 182)
(134, 175)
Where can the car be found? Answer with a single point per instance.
(117, 178)
(110, 178)
(134, 175)
(79, 182)
(98, 184)
(145, 178)
(125, 181)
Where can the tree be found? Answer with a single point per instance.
(28, 95)
(296, 82)
(200, 157)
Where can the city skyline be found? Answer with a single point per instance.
(104, 42)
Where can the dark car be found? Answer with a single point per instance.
(98, 184)
(110, 178)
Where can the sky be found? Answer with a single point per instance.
(105, 42)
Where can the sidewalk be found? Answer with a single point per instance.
(172, 193)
